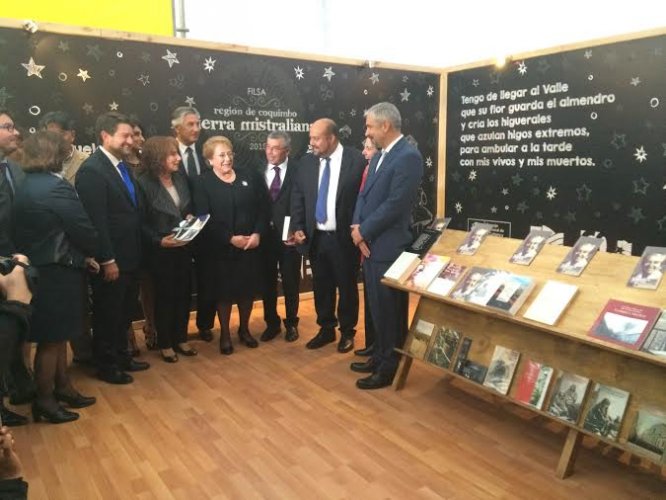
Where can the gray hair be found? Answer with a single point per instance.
(385, 112)
(179, 114)
(281, 136)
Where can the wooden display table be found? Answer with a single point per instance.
(565, 346)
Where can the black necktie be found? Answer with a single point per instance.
(191, 166)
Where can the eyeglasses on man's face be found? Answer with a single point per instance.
(9, 127)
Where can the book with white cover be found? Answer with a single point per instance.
(403, 267)
(551, 302)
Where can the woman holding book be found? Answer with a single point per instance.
(237, 202)
(167, 201)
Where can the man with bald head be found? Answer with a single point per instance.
(322, 206)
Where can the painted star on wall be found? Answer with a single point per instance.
(516, 179)
(94, 51)
(588, 54)
(190, 101)
(33, 68)
(428, 162)
(583, 192)
(459, 207)
(636, 214)
(209, 64)
(374, 78)
(430, 91)
(619, 140)
(505, 191)
(63, 46)
(113, 106)
(640, 154)
(472, 175)
(522, 68)
(493, 210)
(635, 81)
(640, 186)
(404, 95)
(551, 193)
(171, 58)
(83, 74)
(522, 207)
(144, 79)
(87, 108)
(328, 73)
(298, 72)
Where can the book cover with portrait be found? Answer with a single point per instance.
(649, 270)
(530, 247)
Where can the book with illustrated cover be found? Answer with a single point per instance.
(465, 346)
(551, 302)
(420, 338)
(427, 270)
(474, 371)
(649, 432)
(533, 383)
(568, 395)
(650, 269)
(443, 347)
(580, 256)
(478, 285)
(512, 293)
(605, 410)
(655, 342)
(447, 279)
(429, 237)
(474, 238)
(189, 228)
(624, 323)
(403, 267)
(530, 247)
(502, 367)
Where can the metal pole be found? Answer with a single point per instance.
(180, 28)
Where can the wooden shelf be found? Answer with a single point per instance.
(565, 346)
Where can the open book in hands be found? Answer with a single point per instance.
(188, 228)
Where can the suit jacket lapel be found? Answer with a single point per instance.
(112, 173)
(372, 173)
(345, 165)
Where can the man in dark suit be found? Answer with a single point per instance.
(322, 205)
(11, 176)
(381, 230)
(109, 195)
(278, 175)
(186, 125)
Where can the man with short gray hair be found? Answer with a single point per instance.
(381, 230)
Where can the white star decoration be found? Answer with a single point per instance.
(635, 81)
(298, 71)
(144, 78)
(493, 209)
(404, 95)
(33, 68)
(551, 193)
(522, 68)
(505, 191)
(374, 78)
(640, 154)
(472, 175)
(430, 91)
(588, 54)
(428, 162)
(113, 106)
(190, 101)
(328, 73)
(171, 58)
(209, 64)
(459, 207)
(83, 74)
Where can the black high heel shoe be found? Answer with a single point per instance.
(77, 400)
(225, 344)
(246, 339)
(57, 416)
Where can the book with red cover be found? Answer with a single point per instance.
(624, 323)
(533, 383)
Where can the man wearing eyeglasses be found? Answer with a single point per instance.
(278, 175)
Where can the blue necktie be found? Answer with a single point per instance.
(322, 196)
(127, 180)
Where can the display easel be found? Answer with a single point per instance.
(565, 346)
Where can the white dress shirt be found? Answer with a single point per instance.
(182, 149)
(336, 163)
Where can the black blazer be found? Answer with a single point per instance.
(51, 226)
(160, 213)
(281, 207)
(117, 220)
(7, 246)
(304, 196)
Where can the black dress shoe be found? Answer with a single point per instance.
(11, 419)
(56, 416)
(365, 352)
(270, 333)
(226, 347)
(292, 334)
(206, 335)
(321, 339)
(136, 366)
(169, 358)
(346, 344)
(115, 377)
(365, 367)
(77, 400)
(375, 381)
(189, 352)
(246, 339)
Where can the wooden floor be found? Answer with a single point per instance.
(284, 422)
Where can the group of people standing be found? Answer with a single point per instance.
(110, 218)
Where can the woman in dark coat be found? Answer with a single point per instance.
(238, 206)
(167, 202)
(53, 230)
